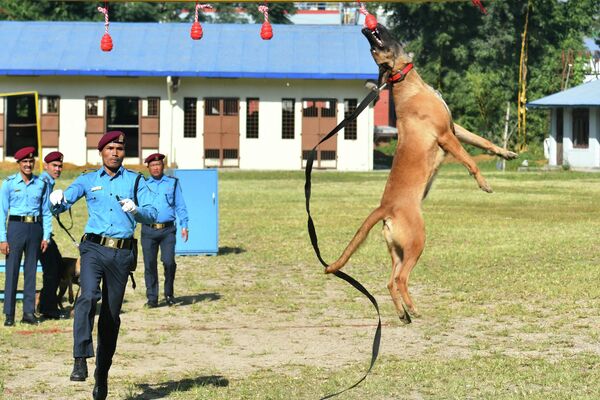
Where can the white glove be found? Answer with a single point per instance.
(128, 206)
(57, 197)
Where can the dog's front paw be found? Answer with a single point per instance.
(509, 155)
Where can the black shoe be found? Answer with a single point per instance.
(10, 320)
(100, 391)
(151, 304)
(54, 315)
(30, 318)
(80, 370)
(170, 300)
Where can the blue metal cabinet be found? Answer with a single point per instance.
(200, 192)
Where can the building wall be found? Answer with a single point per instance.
(268, 151)
(576, 157)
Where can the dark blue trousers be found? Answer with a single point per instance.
(110, 267)
(22, 238)
(51, 261)
(152, 239)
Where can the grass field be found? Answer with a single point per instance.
(507, 287)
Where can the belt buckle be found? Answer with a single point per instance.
(112, 243)
(30, 219)
(159, 226)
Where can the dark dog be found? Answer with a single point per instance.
(426, 134)
(70, 277)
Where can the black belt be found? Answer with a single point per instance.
(29, 219)
(106, 241)
(162, 225)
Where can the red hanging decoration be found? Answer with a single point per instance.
(196, 32)
(106, 44)
(266, 31)
(478, 3)
(370, 20)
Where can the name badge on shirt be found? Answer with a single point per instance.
(96, 188)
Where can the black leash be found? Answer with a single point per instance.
(67, 230)
(313, 233)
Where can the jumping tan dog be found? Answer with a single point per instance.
(426, 134)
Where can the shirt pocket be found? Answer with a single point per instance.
(169, 196)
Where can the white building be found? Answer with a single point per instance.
(227, 100)
(574, 138)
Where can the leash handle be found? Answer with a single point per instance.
(312, 232)
(64, 228)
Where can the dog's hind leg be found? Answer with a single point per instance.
(396, 254)
(450, 143)
(412, 242)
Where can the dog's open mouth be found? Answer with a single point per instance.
(374, 37)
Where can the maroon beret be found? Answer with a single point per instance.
(112, 136)
(154, 157)
(25, 152)
(53, 156)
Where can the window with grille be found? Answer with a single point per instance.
(91, 106)
(52, 104)
(350, 128)
(251, 119)
(287, 119)
(230, 154)
(211, 153)
(230, 107)
(328, 108)
(581, 127)
(328, 155)
(212, 107)
(189, 117)
(153, 106)
(309, 109)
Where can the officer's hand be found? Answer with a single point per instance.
(4, 249)
(57, 197)
(44, 246)
(184, 234)
(128, 206)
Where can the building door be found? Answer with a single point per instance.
(221, 132)
(319, 117)
(123, 114)
(559, 136)
(21, 126)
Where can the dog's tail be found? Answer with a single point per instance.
(359, 237)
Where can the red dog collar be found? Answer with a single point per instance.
(399, 76)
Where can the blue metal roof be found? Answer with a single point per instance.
(585, 95)
(157, 49)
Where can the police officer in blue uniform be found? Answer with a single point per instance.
(51, 259)
(116, 200)
(169, 202)
(24, 200)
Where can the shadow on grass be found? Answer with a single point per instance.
(187, 300)
(231, 250)
(164, 389)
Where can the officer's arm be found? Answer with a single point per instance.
(180, 207)
(73, 193)
(4, 205)
(146, 212)
(46, 214)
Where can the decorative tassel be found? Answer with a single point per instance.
(266, 31)
(196, 32)
(106, 44)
